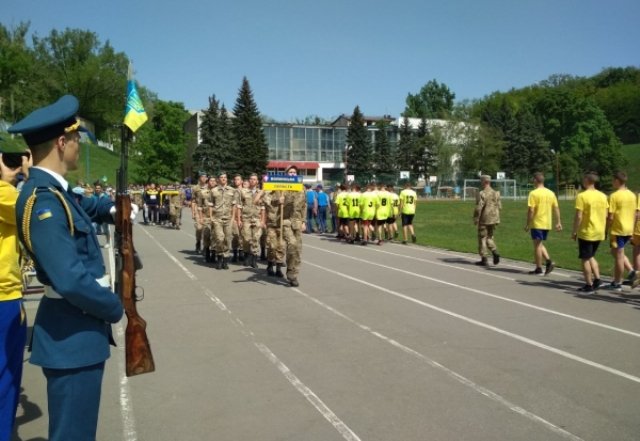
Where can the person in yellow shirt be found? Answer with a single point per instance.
(354, 213)
(408, 202)
(368, 205)
(391, 221)
(542, 203)
(13, 321)
(342, 208)
(634, 277)
(589, 229)
(382, 213)
(621, 220)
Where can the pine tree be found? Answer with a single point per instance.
(358, 159)
(204, 153)
(384, 166)
(423, 151)
(405, 146)
(251, 152)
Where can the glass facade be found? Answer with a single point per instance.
(312, 143)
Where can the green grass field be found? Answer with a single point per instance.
(632, 154)
(449, 225)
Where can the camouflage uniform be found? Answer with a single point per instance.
(250, 205)
(195, 194)
(294, 211)
(223, 200)
(236, 239)
(175, 210)
(202, 200)
(487, 217)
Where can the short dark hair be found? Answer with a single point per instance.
(538, 177)
(621, 176)
(591, 177)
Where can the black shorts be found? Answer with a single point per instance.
(391, 220)
(344, 221)
(587, 248)
(407, 219)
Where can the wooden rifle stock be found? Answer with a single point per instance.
(139, 359)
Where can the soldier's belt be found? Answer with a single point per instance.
(104, 281)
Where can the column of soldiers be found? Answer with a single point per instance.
(248, 224)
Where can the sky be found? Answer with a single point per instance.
(324, 57)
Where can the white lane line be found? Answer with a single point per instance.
(305, 391)
(456, 376)
(506, 333)
(485, 293)
(126, 409)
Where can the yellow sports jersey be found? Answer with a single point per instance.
(395, 203)
(542, 201)
(622, 205)
(408, 201)
(384, 205)
(343, 204)
(368, 204)
(354, 204)
(593, 205)
(637, 230)
(10, 276)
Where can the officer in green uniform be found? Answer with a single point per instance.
(222, 211)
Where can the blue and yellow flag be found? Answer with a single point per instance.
(134, 114)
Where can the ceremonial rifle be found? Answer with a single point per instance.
(139, 359)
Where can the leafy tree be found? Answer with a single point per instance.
(250, 151)
(161, 143)
(358, 160)
(423, 150)
(76, 62)
(405, 146)
(525, 150)
(434, 100)
(480, 151)
(384, 166)
(204, 153)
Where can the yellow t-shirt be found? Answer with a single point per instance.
(542, 200)
(384, 205)
(10, 276)
(354, 204)
(343, 204)
(622, 204)
(594, 205)
(637, 230)
(408, 199)
(395, 203)
(368, 205)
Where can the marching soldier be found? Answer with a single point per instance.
(291, 207)
(487, 217)
(236, 240)
(223, 200)
(202, 185)
(250, 220)
(203, 217)
(175, 209)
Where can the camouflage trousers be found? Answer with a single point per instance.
(289, 247)
(236, 238)
(175, 215)
(251, 234)
(205, 233)
(222, 236)
(486, 242)
(199, 227)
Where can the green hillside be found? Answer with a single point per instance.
(632, 154)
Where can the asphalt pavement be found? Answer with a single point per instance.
(387, 343)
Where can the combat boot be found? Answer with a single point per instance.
(270, 271)
(279, 270)
(294, 282)
(207, 255)
(225, 264)
(219, 262)
(234, 259)
(483, 262)
(197, 246)
(263, 254)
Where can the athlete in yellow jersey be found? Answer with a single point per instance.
(368, 205)
(408, 202)
(542, 202)
(395, 209)
(382, 212)
(354, 212)
(342, 208)
(621, 220)
(635, 240)
(589, 227)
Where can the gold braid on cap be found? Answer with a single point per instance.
(73, 127)
(28, 209)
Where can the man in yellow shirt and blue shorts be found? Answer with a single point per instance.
(589, 227)
(542, 203)
(621, 221)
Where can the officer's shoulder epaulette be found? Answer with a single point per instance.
(28, 209)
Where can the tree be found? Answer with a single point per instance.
(358, 157)
(251, 152)
(161, 143)
(423, 150)
(434, 100)
(405, 146)
(525, 151)
(204, 153)
(384, 166)
(480, 151)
